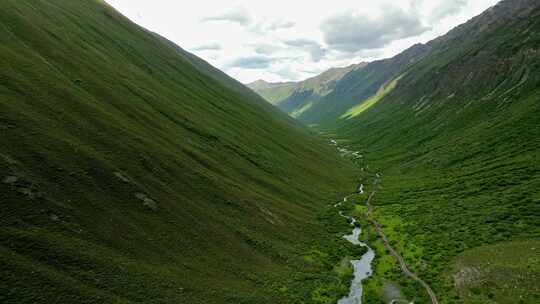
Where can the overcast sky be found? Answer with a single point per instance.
(281, 40)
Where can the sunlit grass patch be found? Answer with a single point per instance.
(304, 108)
(368, 103)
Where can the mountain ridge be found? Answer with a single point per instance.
(292, 96)
(310, 108)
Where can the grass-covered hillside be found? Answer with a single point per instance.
(321, 100)
(297, 98)
(274, 93)
(134, 172)
(456, 136)
(359, 85)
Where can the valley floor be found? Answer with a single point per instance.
(365, 212)
(415, 262)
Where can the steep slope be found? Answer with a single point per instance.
(456, 137)
(132, 171)
(359, 85)
(323, 99)
(296, 98)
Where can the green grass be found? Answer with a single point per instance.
(368, 103)
(386, 270)
(508, 272)
(132, 171)
(435, 205)
(275, 93)
(457, 143)
(304, 108)
(296, 98)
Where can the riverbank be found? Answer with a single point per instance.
(361, 268)
(355, 295)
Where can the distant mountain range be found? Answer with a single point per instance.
(327, 96)
(297, 97)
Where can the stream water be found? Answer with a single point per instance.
(362, 267)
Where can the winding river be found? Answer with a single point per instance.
(362, 267)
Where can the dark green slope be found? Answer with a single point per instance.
(132, 171)
(457, 138)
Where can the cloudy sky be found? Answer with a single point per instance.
(282, 40)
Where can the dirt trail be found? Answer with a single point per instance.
(392, 251)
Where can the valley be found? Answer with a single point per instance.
(454, 128)
(362, 268)
(134, 171)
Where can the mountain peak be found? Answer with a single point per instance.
(259, 82)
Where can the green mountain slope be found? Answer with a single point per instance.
(454, 127)
(296, 98)
(134, 172)
(274, 93)
(326, 97)
(359, 85)
(456, 137)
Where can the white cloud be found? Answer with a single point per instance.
(352, 32)
(316, 50)
(283, 40)
(238, 14)
(252, 62)
(207, 47)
